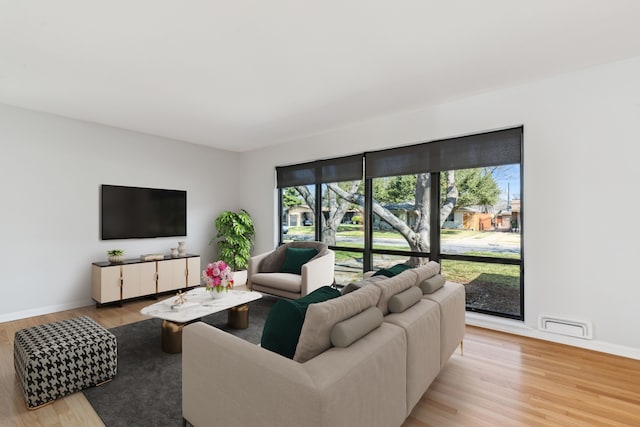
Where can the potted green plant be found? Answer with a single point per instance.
(115, 255)
(234, 237)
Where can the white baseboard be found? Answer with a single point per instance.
(517, 327)
(473, 319)
(16, 315)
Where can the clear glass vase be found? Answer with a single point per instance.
(218, 292)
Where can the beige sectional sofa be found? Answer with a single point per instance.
(364, 374)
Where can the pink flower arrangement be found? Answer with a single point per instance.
(218, 276)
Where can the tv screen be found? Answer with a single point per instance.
(137, 213)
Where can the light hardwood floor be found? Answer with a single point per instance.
(502, 380)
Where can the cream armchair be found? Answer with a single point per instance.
(265, 271)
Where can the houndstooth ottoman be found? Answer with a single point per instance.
(59, 358)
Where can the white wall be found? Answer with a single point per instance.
(52, 169)
(579, 190)
(580, 175)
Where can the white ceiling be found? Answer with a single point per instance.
(243, 74)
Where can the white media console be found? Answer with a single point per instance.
(117, 282)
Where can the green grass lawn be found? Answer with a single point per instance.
(466, 272)
(353, 230)
(457, 271)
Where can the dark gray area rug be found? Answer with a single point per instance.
(147, 390)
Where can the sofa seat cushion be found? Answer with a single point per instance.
(421, 324)
(284, 322)
(392, 286)
(315, 336)
(284, 281)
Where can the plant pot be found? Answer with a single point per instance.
(240, 278)
(115, 258)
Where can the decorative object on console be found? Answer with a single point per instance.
(115, 255)
(174, 252)
(182, 251)
(218, 278)
(234, 238)
(151, 257)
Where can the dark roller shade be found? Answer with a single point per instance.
(495, 148)
(321, 171)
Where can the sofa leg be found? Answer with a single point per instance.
(461, 348)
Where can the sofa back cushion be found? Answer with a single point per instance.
(426, 271)
(354, 286)
(405, 299)
(272, 263)
(284, 322)
(294, 258)
(392, 286)
(345, 333)
(432, 284)
(315, 336)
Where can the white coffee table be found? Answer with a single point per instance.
(197, 305)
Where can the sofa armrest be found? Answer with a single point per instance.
(233, 382)
(317, 273)
(254, 266)
(238, 383)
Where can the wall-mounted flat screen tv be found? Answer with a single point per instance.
(139, 213)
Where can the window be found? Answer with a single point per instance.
(335, 218)
(394, 212)
(454, 201)
(297, 206)
(342, 227)
(479, 230)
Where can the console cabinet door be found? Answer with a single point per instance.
(180, 273)
(106, 283)
(193, 271)
(148, 277)
(165, 275)
(131, 281)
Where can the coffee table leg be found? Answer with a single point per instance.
(172, 336)
(238, 317)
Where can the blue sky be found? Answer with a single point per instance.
(508, 178)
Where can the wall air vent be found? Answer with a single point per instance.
(563, 326)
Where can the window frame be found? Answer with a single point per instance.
(473, 151)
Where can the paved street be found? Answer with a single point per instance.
(495, 242)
